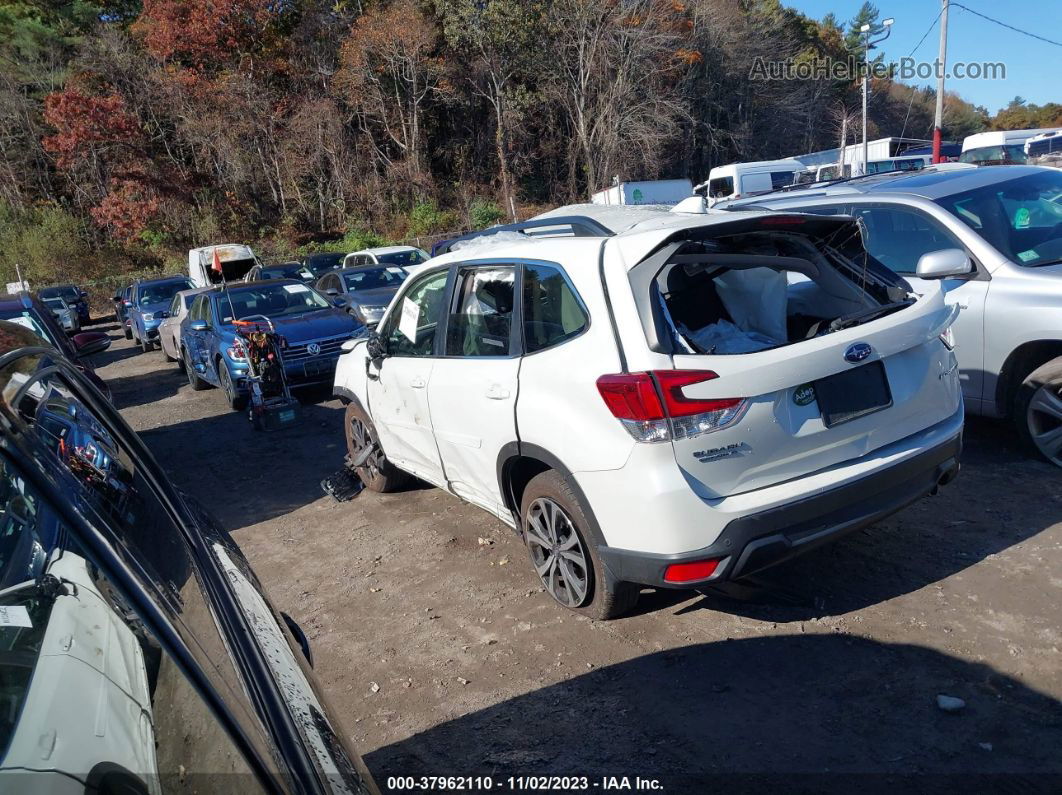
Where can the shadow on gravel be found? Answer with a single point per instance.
(247, 476)
(143, 388)
(116, 354)
(793, 713)
(909, 550)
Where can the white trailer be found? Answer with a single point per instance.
(656, 191)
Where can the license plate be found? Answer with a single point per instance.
(853, 394)
(318, 366)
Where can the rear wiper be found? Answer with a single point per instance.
(855, 319)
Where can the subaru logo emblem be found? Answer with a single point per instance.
(314, 349)
(857, 352)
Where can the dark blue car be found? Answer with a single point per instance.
(149, 303)
(312, 327)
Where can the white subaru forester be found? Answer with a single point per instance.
(656, 398)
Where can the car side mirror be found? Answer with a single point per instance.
(944, 264)
(163, 313)
(89, 342)
(338, 300)
(197, 325)
(376, 346)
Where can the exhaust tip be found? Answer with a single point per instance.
(948, 473)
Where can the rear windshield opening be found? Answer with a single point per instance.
(756, 291)
(234, 270)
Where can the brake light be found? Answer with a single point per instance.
(690, 572)
(653, 408)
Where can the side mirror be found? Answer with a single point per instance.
(163, 313)
(943, 264)
(376, 346)
(197, 325)
(89, 342)
(84, 293)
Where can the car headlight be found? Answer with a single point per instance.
(372, 312)
(148, 315)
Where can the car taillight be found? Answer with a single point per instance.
(652, 407)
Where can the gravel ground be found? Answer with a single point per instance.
(442, 654)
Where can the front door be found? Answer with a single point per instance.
(398, 383)
(898, 237)
(472, 394)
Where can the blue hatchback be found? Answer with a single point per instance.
(312, 328)
(149, 302)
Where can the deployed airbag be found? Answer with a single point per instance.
(756, 299)
(724, 337)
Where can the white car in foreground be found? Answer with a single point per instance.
(659, 398)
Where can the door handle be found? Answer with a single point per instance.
(497, 392)
(417, 382)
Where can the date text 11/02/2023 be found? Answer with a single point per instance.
(522, 783)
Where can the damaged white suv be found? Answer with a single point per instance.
(656, 398)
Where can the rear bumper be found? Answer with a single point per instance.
(756, 541)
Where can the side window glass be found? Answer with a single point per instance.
(480, 322)
(175, 306)
(87, 691)
(898, 237)
(411, 327)
(552, 312)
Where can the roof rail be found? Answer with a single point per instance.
(580, 225)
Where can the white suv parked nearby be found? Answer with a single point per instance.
(659, 398)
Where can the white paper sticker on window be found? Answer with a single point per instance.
(14, 616)
(397, 271)
(407, 324)
(296, 288)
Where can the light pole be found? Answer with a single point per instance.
(868, 45)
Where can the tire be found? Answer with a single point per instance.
(128, 333)
(554, 527)
(378, 474)
(237, 402)
(1038, 412)
(194, 381)
(146, 346)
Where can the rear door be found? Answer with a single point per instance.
(473, 389)
(398, 384)
(195, 341)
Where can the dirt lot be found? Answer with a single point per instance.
(443, 656)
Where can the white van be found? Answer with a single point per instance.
(236, 260)
(743, 179)
(998, 146)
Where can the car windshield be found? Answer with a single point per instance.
(67, 291)
(319, 264)
(162, 292)
(372, 278)
(55, 303)
(412, 257)
(27, 320)
(1021, 218)
(1004, 153)
(271, 300)
(293, 271)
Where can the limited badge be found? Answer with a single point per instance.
(804, 395)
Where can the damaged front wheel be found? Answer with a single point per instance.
(363, 448)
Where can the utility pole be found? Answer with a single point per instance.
(942, 61)
(868, 45)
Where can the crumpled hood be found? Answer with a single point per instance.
(315, 325)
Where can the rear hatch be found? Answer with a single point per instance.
(832, 363)
(805, 401)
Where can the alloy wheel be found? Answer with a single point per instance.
(1044, 417)
(362, 438)
(225, 377)
(556, 552)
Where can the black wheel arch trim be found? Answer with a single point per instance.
(512, 452)
(347, 396)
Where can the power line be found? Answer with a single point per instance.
(1009, 27)
(914, 91)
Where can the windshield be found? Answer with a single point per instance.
(412, 257)
(372, 278)
(67, 291)
(1021, 218)
(27, 320)
(54, 303)
(318, 264)
(294, 271)
(162, 292)
(1009, 153)
(271, 300)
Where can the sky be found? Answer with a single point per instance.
(970, 39)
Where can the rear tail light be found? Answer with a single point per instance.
(690, 572)
(653, 408)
